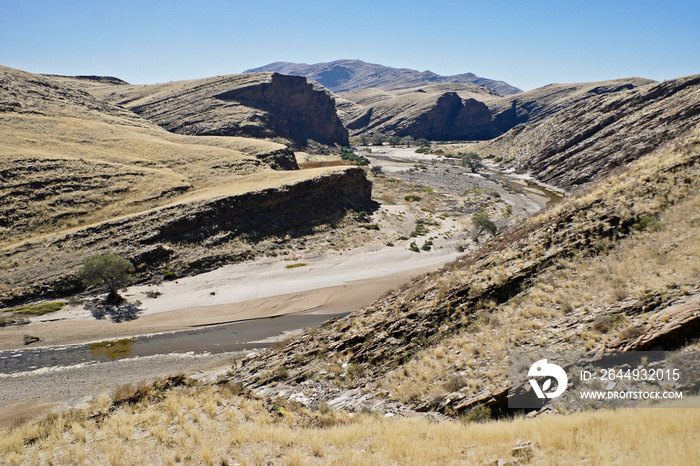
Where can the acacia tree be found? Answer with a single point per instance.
(111, 270)
(482, 221)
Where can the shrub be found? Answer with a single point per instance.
(413, 247)
(169, 275)
(482, 221)
(369, 226)
(411, 198)
(354, 370)
(648, 223)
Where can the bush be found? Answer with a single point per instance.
(413, 247)
(350, 156)
(411, 198)
(111, 270)
(169, 275)
(370, 226)
(482, 221)
(648, 223)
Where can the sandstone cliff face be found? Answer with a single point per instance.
(595, 136)
(190, 236)
(261, 105)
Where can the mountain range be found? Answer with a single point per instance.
(349, 75)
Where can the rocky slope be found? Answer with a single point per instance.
(537, 104)
(259, 105)
(583, 140)
(348, 75)
(580, 276)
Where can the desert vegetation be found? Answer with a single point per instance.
(178, 421)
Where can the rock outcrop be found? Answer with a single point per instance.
(348, 75)
(437, 112)
(260, 105)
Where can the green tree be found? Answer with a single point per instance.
(423, 142)
(394, 141)
(111, 270)
(408, 141)
(482, 221)
(378, 139)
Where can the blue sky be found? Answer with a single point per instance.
(525, 43)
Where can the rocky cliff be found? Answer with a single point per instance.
(260, 105)
(586, 140)
(433, 112)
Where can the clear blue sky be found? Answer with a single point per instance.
(525, 43)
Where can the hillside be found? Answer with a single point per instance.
(259, 105)
(349, 75)
(580, 139)
(81, 176)
(415, 377)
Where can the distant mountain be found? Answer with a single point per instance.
(349, 75)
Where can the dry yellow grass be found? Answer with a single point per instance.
(209, 425)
